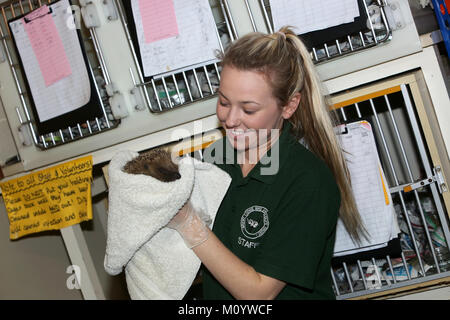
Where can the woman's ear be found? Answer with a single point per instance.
(292, 105)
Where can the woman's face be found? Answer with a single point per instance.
(247, 109)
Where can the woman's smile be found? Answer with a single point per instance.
(247, 109)
(239, 133)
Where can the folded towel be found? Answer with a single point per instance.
(158, 265)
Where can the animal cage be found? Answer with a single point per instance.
(190, 84)
(160, 94)
(370, 34)
(414, 174)
(385, 30)
(11, 10)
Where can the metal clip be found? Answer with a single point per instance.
(110, 10)
(24, 132)
(90, 14)
(437, 177)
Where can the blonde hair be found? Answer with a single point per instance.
(286, 62)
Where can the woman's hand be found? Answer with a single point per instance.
(240, 279)
(189, 225)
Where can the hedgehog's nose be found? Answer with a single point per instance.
(172, 176)
(169, 175)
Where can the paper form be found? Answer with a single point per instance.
(158, 19)
(68, 93)
(369, 189)
(195, 43)
(310, 15)
(47, 45)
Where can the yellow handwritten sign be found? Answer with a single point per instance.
(50, 199)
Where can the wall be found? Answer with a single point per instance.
(33, 267)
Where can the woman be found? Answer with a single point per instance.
(273, 235)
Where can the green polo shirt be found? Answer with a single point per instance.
(282, 223)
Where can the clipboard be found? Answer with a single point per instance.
(130, 16)
(317, 38)
(370, 190)
(80, 113)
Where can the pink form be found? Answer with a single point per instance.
(158, 19)
(47, 45)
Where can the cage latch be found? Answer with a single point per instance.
(437, 177)
(440, 179)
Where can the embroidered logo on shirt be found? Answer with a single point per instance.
(255, 222)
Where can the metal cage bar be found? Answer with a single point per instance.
(352, 43)
(180, 88)
(64, 135)
(421, 264)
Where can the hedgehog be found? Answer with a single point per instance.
(156, 163)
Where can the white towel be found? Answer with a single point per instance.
(158, 265)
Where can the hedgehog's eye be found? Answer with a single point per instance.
(145, 166)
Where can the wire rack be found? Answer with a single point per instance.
(189, 85)
(97, 67)
(422, 218)
(374, 35)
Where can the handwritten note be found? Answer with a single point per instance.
(47, 45)
(158, 19)
(50, 199)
